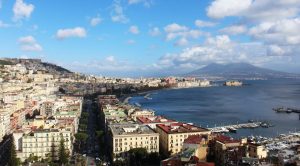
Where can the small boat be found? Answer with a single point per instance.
(265, 125)
(138, 104)
(148, 98)
(232, 129)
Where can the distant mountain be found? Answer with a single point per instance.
(238, 71)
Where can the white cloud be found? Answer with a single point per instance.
(147, 3)
(175, 28)
(130, 41)
(275, 50)
(154, 31)
(254, 10)
(72, 32)
(95, 21)
(270, 10)
(22, 10)
(27, 40)
(106, 65)
(284, 32)
(110, 59)
(182, 42)
(221, 41)
(32, 47)
(4, 25)
(218, 49)
(201, 23)
(117, 13)
(182, 33)
(223, 8)
(275, 24)
(134, 29)
(234, 29)
(134, 1)
(29, 43)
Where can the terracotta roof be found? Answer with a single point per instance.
(205, 164)
(194, 139)
(180, 128)
(225, 139)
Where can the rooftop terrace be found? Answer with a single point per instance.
(130, 129)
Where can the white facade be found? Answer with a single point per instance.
(42, 143)
(4, 124)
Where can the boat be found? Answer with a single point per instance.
(148, 96)
(232, 129)
(266, 125)
(283, 110)
(138, 104)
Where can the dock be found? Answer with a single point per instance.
(235, 127)
(286, 110)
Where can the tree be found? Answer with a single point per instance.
(99, 134)
(82, 127)
(81, 137)
(137, 156)
(13, 160)
(62, 154)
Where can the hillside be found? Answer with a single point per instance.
(36, 64)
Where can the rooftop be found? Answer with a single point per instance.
(180, 128)
(120, 120)
(154, 119)
(130, 129)
(195, 139)
(225, 139)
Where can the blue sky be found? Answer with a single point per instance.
(146, 37)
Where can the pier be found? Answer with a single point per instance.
(235, 127)
(286, 110)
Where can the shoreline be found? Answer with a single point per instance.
(127, 97)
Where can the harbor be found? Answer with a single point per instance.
(235, 127)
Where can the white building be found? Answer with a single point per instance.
(4, 124)
(42, 143)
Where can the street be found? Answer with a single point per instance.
(92, 140)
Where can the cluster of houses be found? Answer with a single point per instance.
(128, 127)
(34, 112)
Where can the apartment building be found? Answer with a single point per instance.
(4, 124)
(122, 138)
(257, 151)
(228, 149)
(43, 143)
(173, 135)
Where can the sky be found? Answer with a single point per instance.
(152, 37)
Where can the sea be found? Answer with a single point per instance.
(220, 105)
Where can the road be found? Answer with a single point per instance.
(91, 141)
(4, 149)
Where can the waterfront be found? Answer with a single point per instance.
(221, 105)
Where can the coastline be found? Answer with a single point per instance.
(127, 97)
